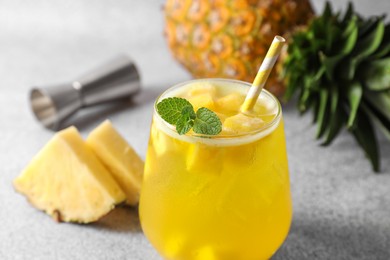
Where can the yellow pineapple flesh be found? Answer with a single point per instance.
(68, 182)
(120, 158)
(229, 38)
(241, 123)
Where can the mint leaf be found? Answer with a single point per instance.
(184, 124)
(189, 112)
(207, 122)
(186, 121)
(170, 109)
(180, 113)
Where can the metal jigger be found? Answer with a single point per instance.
(116, 80)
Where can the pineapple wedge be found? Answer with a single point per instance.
(68, 182)
(117, 155)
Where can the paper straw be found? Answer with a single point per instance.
(263, 73)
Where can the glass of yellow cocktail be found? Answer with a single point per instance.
(224, 196)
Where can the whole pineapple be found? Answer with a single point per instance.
(340, 67)
(229, 38)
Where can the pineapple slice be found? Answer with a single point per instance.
(204, 159)
(119, 157)
(68, 182)
(241, 123)
(201, 94)
(202, 100)
(231, 102)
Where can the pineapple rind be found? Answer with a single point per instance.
(229, 39)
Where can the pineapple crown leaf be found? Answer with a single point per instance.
(354, 94)
(377, 75)
(340, 68)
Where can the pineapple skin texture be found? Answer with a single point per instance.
(68, 182)
(229, 38)
(119, 157)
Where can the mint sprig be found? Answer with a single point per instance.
(180, 113)
(207, 122)
(170, 109)
(186, 121)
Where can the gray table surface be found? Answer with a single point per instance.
(341, 209)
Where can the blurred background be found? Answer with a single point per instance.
(43, 42)
(75, 35)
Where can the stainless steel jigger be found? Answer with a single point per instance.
(115, 80)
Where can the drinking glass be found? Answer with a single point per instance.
(217, 197)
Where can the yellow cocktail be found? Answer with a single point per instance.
(218, 197)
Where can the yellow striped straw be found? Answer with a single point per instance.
(263, 73)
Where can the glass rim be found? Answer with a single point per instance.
(172, 128)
